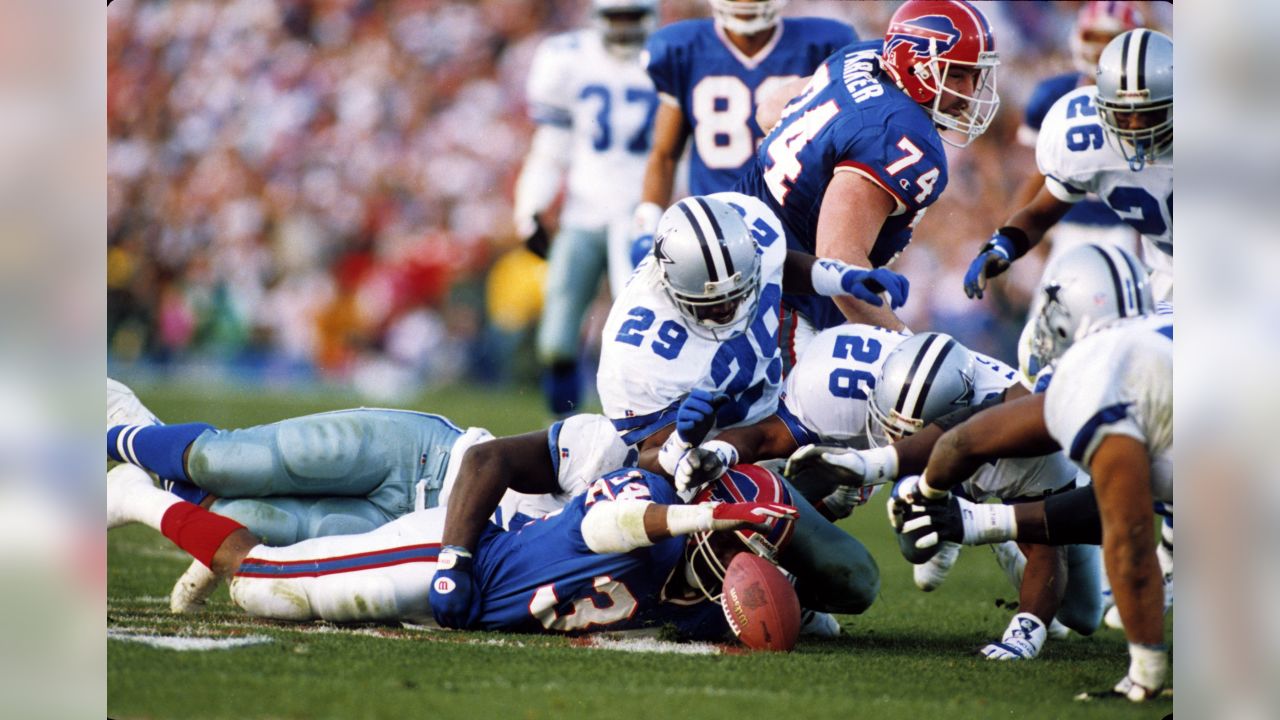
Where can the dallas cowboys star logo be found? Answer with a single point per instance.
(1051, 292)
(659, 250)
(966, 395)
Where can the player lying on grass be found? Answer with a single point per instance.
(624, 554)
(291, 473)
(927, 384)
(1109, 405)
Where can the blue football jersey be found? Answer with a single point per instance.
(693, 64)
(850, 118)
(543, 577)
(1045, 94)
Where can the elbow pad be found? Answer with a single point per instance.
(616, 526)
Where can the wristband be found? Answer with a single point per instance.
(1017, 236)
(728, 453)
(986, 523)
(450, 555)
(687, 519)
(882, 465)
(928, 490)
(644, 221)
(827, 276)
(672, 450)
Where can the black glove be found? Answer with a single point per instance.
(538, 242)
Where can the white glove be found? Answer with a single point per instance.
(701, 465)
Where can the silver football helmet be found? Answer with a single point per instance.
(1083, 289)
(747, 17)
(710, 266)
(924, 378)
(1135, 95)
(625, 24)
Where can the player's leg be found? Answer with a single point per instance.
(1044, 581)
(1081, 608)
(384, 575)
(574, 265)
(834, 572)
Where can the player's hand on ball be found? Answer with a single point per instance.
(993, 259)
(734, 516)
(454, 602)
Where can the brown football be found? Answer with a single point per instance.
(760, 605)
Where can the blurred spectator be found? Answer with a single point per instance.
(303, 185)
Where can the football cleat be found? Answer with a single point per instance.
(929, 575)
(193, 589)
(1022, 640)
(124, 407)
(818, 624)
(1057, 630)
(123, 482)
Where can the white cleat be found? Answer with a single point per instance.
(1112, 618)
(124, 482)
(193, 589)
(818, 624)
(1022, 640)
(124, 407)
(1011, 560)
(929, 575)
(1057, 630)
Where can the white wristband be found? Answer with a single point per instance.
(928, 491)
(672, 450)
(987, 522)
(882, 465)
(827, 276)
(728, 453)
(686, 519)
(644, 221)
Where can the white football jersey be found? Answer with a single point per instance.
(826, 394)
(1076, 159)
(608, 102)
(1118, 381)
(650, 359)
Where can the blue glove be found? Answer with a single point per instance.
(866, 285)
(697, 415)
(641, 245)
(453, 598)
(993, 259)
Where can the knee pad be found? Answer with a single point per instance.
(274, 524)
(322, 446)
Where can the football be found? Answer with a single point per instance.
(760, 605)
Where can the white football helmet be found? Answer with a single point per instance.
(710, 266)
(625, 24)
(924, 378)
(747, 17)
(1084, 289)
(1135, 95)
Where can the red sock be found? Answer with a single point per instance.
(197, 530)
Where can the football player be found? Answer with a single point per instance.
(852, 163)
(1089, 220)
(624, 554)
(593, 105)
(710, 75)
(1114, 140)
(345, 472)
(1109, 405)
(697, 326)
(931, 383)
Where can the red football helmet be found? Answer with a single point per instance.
(925, 40)
(1096, 24)
(742, 483)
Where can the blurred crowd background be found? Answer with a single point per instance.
(321, 190)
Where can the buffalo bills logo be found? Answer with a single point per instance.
(915, 35)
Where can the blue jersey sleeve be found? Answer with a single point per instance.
(667, 58)
(1045, 94)
(904, 157)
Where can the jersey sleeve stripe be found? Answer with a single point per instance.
(553, 445)
(801, 434)
(865, 171)
(637, 429)
(1084, 437)
(548, 115)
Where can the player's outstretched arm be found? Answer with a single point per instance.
(670, 133)
(519, 462)
(623, 525)
(1014, 428)
(805, 274)
(705, 463)
(853, 211)
(1021, 232)
(539, 183)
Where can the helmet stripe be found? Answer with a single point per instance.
(1122, 303)
(715, 226)
(1138, 274)
(1124, 62)
(985, 38)
(702, 240)
(1142, 60)
(901, 404)
(934, 367)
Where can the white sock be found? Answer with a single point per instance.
(148, 505)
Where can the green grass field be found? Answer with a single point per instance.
(910, 656)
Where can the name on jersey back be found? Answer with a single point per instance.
(858, 77)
